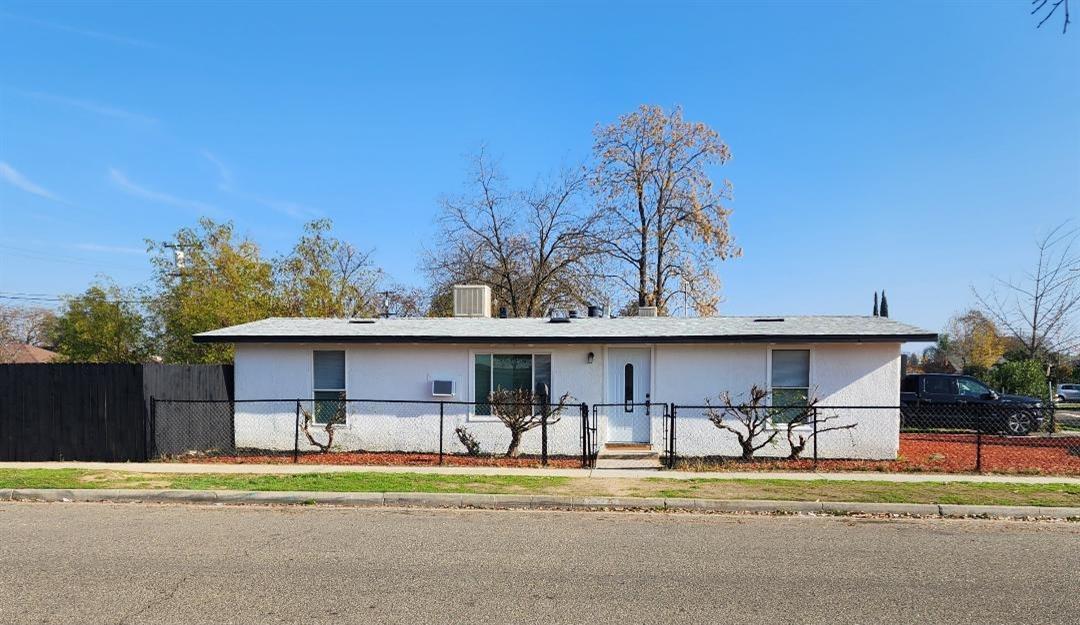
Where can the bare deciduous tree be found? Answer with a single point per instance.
(23, 326)
(530, 247)
(664, 222)
(1038, 5)
(1040, 310)
(520, 411)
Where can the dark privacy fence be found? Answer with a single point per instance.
(95, 411)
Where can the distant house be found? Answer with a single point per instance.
(21, 353)
(614, 365)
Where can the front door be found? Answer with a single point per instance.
(629, 380)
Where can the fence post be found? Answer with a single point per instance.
(545, 408)
(296, 436)
(978, 449)
(151, 447)
(441, 416)
(584, 435)
(673, 453)
(815, 437)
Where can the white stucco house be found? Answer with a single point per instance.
(841, 360)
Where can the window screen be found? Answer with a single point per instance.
(329, 386)
(790, 381)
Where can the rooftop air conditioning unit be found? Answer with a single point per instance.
(472, 300)
(646, 311)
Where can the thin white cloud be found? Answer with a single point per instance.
(227, 183)
(8, 173)
(109, 249)
(131, 188)
(92, 107)
(85, 32)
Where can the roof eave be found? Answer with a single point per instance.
(550, 340)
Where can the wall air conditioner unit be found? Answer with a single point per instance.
(472, 300)
(442, 388)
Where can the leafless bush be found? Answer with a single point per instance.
(757, 424)
(472, 446)
(338, 418)
(520, 411)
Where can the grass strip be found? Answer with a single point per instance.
(971, 493)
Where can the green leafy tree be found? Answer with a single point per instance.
(103, 324)
(210, 279)
(325, 276)
(1021, 377)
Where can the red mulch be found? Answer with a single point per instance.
(388, 458)
(937, 453)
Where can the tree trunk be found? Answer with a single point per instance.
(515, 442)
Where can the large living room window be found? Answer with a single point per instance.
(492, 372)
(789, 381)
(329, 385)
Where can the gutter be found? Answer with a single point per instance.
(549, 340)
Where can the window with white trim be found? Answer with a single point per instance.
(328, 384)
(789, 381)
(492, 372)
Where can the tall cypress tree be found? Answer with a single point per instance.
(875, 304)
(884, 304)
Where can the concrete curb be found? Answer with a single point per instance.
(533, 502)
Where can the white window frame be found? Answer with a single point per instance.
(472, 416)
(348, 417)
(809, 378)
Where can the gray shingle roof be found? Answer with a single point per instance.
(582, 330)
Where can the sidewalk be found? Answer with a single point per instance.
(165, 467)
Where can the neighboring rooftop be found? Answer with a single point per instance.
(578, 330)
(21, 353)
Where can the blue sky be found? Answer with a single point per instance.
(915, 147)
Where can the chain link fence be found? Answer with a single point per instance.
(1013, 438)
(362, 431)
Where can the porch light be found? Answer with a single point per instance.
(590, 358)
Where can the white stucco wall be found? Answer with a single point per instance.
(841, 374)
(848, 374)
(402, 372)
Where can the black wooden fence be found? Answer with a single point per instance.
(94, 411)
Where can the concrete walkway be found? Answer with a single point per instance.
(165, 467)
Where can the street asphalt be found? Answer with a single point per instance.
(162, 563)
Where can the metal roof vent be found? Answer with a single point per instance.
(559, 316)
(647, 311)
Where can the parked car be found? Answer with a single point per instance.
(938, 400)
(1068, 392)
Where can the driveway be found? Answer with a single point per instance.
(100, 563)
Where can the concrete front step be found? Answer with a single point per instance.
(627, 456)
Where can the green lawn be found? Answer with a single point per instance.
(793, 490)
